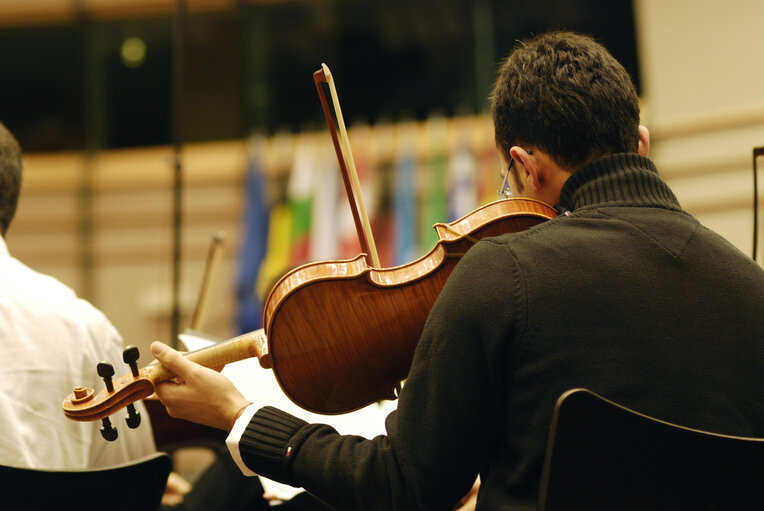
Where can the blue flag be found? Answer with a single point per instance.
(252, 252)
(404, 204)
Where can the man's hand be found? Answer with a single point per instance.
(198, 394)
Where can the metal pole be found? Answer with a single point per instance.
(177, 122)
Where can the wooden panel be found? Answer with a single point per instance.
(23, 12)
(34, 12)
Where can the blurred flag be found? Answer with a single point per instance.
(487, 172)
(462, 188)
(253, 247)
(280, 221)
(404, 201)
(433, 182)
(299, 197)
(434, 204)
(383, 145)
(326, 197)
(349, 239)
(276, 262)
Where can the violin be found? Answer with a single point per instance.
(338, 335)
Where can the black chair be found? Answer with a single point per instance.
(603, 456)
(137, 485)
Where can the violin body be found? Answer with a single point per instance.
(342, 334)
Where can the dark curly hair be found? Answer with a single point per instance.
(565, 94)
(10, 177)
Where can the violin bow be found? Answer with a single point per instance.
(347, 165)
(213, 262)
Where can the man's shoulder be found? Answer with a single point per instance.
(47, 298)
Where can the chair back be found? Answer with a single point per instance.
(603, 456)
(136, 485)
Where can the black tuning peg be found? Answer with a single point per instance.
(106, 371)
(133, 418)
(130, 357)
(108, 432)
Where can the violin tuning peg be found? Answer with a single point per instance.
(106, 371)
(130, 357)
(108, 432)
(133, 418)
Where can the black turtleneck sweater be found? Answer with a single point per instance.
(626, 295)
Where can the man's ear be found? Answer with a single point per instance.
(534, 174)
(526, 168)
(644, 141)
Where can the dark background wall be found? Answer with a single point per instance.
(67, 85)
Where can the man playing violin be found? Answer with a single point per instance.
(623, 293)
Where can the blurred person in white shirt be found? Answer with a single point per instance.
(50, 341)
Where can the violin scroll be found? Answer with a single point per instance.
(84, 405)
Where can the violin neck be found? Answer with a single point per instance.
(252, 344)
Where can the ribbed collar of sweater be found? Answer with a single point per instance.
(626, 179)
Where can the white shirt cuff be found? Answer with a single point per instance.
(232, 441)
